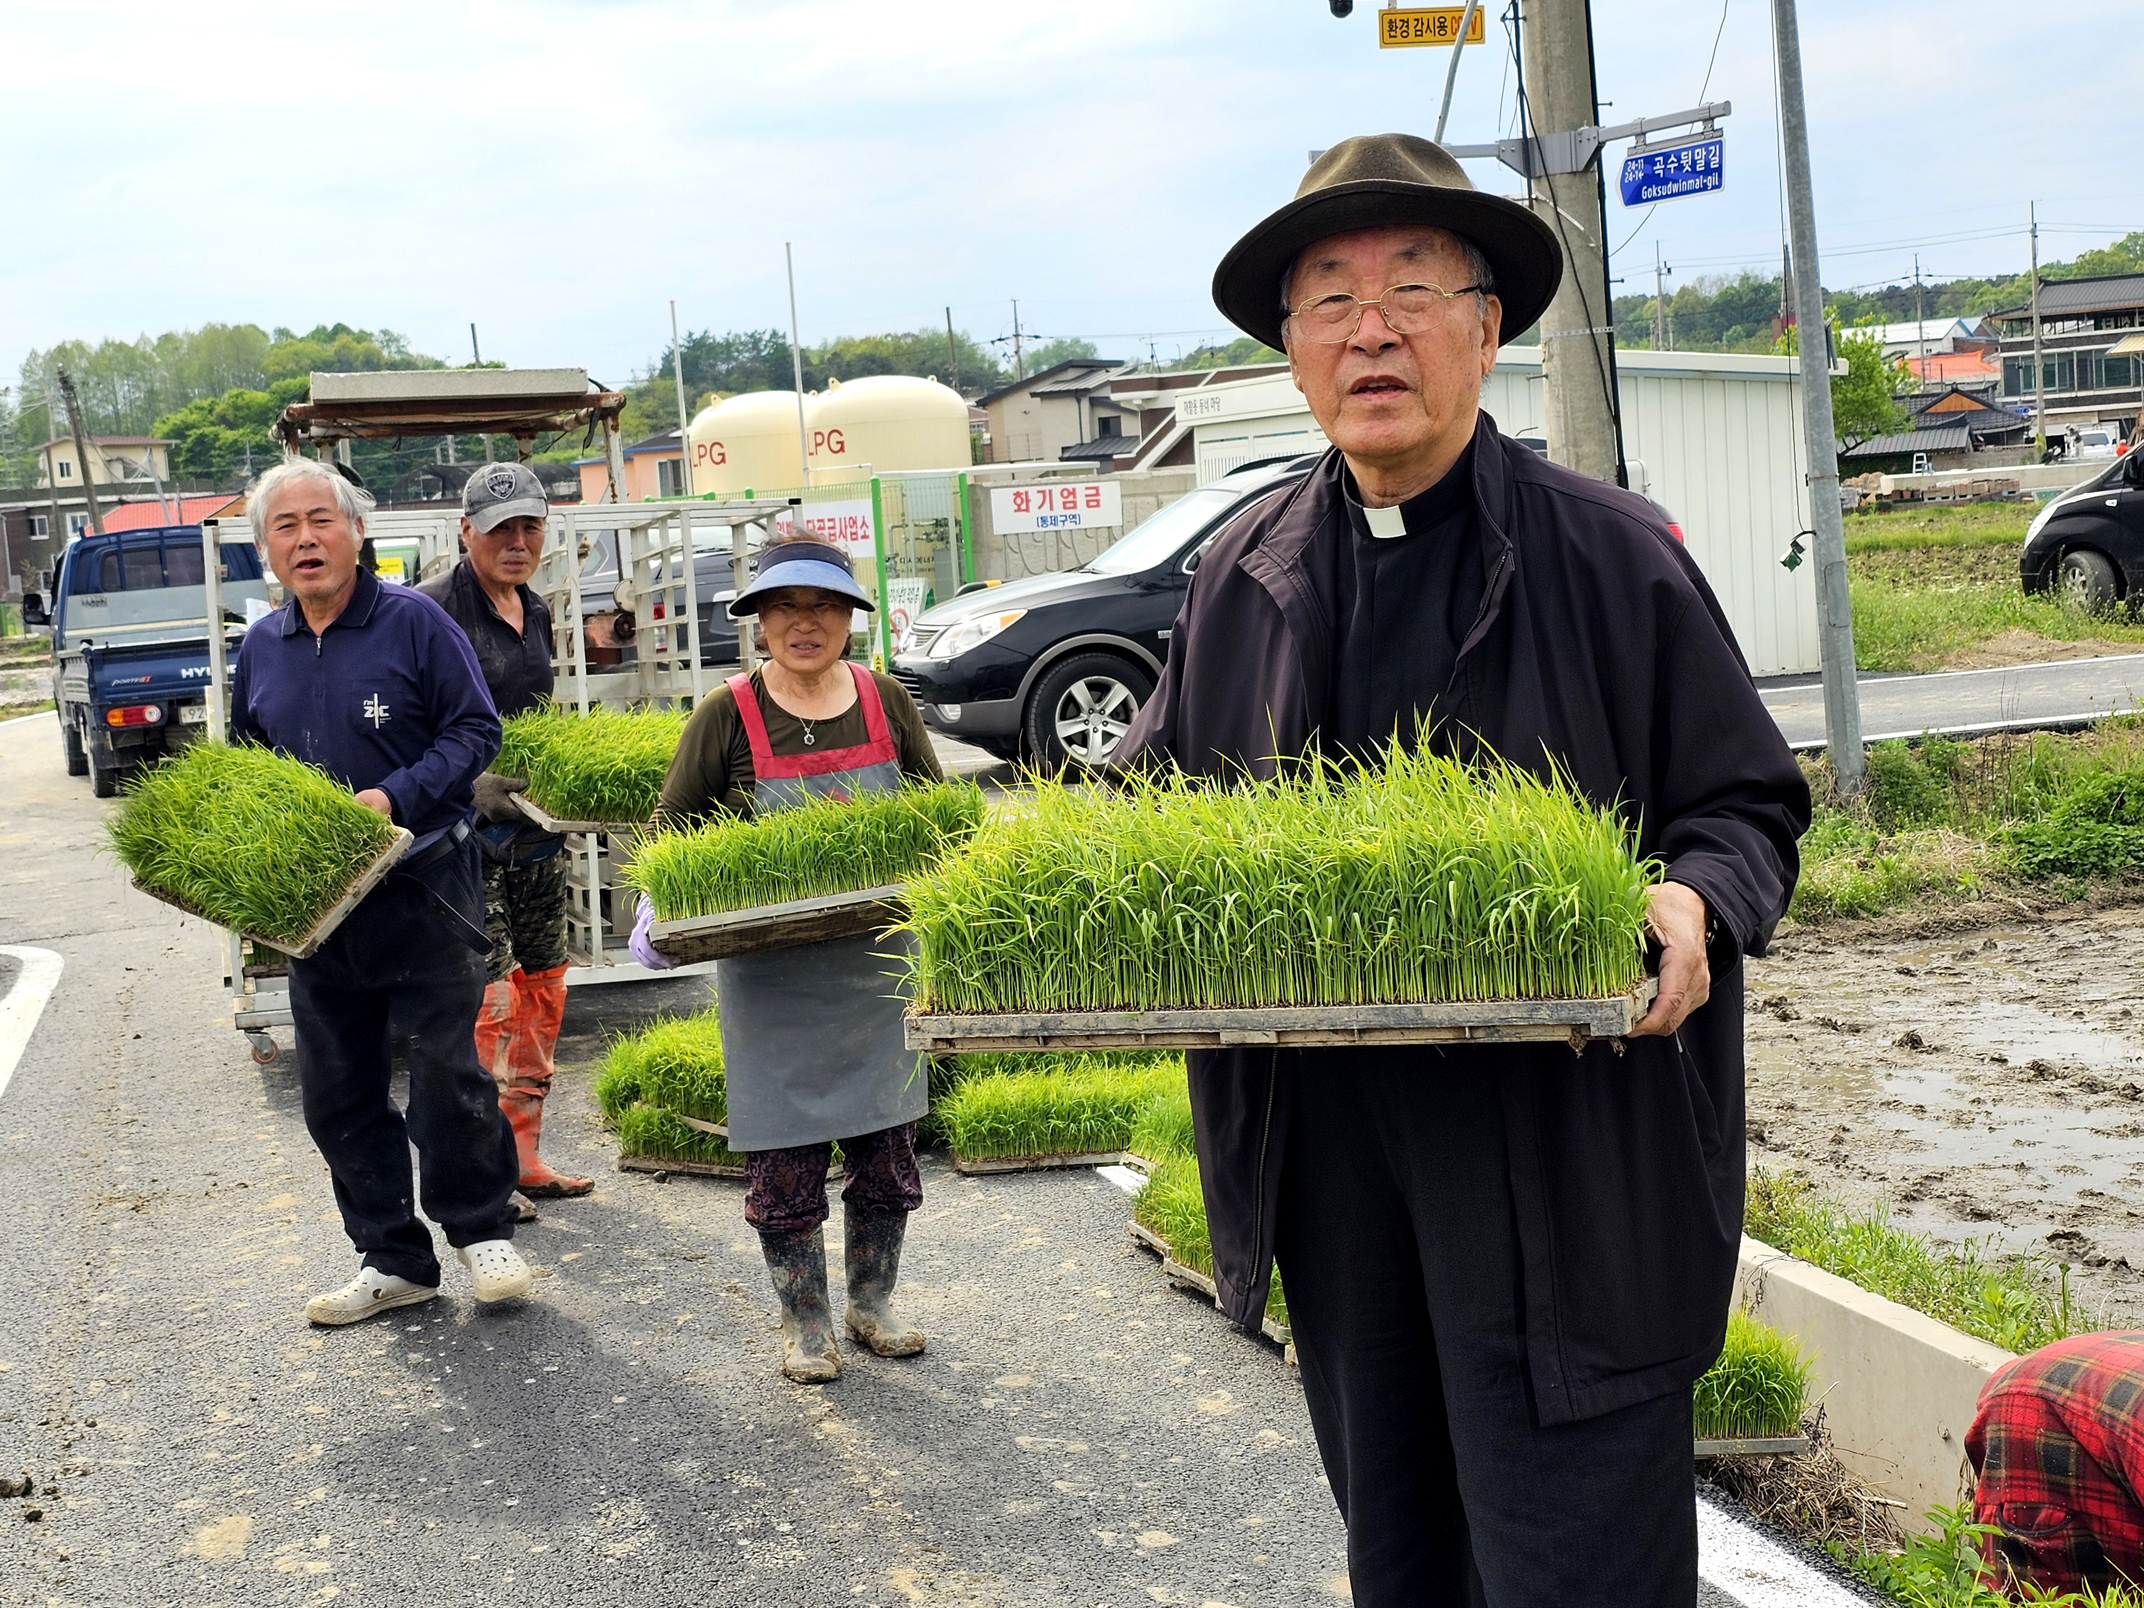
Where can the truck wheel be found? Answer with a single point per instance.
(1081, 709)
(71, 741)
(2085, 581)
(103, 769)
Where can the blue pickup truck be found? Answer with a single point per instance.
(130, 644)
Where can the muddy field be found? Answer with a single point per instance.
(1987, 1082)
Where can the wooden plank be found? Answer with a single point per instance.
(779, 926)
(323, 929)
(542, 817)
(1775, 1446)
(1512, 1021)
(1011, 1164)
(662, 1164)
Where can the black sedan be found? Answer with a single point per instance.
(2088, 544)
(1052, 668)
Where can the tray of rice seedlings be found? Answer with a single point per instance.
(1162, 1128)
(1073, 1110)
(1750, 1402)
(662, 1090)
(1169, 1218)
(1417, 901)
(830, 869)
(589, 773)
(250, 839)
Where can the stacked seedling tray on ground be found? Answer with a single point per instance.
(828, 869)
(1028, 1112)
(662, 1090)
(1422, 901)
(254, 841)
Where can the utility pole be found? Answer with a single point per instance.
(1556, 93)
(477, 352)
(952, 348)
(677, 372)
(1663, 336)
(1835, 618)
(81, 450)
(1920, 322)
(796, 367)
(1019, 357)
(2039, 374)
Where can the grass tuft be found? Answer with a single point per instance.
(606, 765)
(2020, 1303)
(250, 838)
(1419, 879)
(803, 853)
(1757, 1388)
(1070, 1105)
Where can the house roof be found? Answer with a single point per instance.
(661, 441)
(140, 515)
(1944, 438)
(1082, 384)
(1953, 400)
(1108, 446)
(2101, 293)
(1035, 381)
(108, 441)
(1931, 330)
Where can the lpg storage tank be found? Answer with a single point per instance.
(884, 423)
(747, 442)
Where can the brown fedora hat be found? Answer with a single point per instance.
(1372, 181)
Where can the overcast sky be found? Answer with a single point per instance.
(557, 171)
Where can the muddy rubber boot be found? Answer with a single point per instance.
(874, 1265)
(796, 1261)
(539, 1005)
(494, 1030)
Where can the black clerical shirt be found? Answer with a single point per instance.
(1403, 606)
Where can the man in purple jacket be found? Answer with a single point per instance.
(379, 688)
(1505, 1265)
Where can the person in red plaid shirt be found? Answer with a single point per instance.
(2058, 1445)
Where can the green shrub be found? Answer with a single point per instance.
(247, 837)
(1902, 791)
(606, 765)
(1077, 1104)
(2096, 829)
(2019, 1304)
(820, 848)
(1421, 879)
(1755, 1391)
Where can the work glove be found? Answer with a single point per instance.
(495, 797)
(642, 947)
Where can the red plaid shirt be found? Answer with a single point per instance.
(2059, 1447)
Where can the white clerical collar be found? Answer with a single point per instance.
(1385, 523)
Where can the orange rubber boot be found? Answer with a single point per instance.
(539, 1006)
(494, 1029)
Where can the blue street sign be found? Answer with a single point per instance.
(1663, 172)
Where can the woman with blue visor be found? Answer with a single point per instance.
(811, 1036)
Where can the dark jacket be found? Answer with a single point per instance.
(388, 696)
(1598, 643)
(516, 664)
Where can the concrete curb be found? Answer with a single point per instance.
(1899, 1389)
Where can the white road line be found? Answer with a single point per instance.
(42, 714)
(1757, 1571)
(25, 1002)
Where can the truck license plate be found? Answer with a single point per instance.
(193, 714)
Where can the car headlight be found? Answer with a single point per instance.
(959, 639)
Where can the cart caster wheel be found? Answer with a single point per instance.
(265, 1048)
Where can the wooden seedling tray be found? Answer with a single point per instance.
(551, 823)
(779, 926)
(1771, 1446)
(323, 929)
(1190, 1278)
(1012, 1164)
(1496, 1021)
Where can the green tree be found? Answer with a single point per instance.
(1864, 400)
(1233, 355)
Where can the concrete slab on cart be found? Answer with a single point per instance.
(2068, 692)
(1077, 1426)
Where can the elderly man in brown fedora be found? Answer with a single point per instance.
(1505, 1265)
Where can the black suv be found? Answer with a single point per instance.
(1052, 668)
(2088, 544)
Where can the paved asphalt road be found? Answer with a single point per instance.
(2066, 692)
(1078, 1431)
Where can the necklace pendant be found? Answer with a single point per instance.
(809, 740)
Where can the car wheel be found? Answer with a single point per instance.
(71, 742)
(2085, 581)
(103, 779)
(1081, 709)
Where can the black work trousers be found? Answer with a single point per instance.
(1399, 1252)
(398, 968)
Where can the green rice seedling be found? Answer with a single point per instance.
(670, 1069)
(803, 853)
(1173, 1207)
(606, 765)
(1163, 1126)
(248, 837)
(1757, 1388)
(1076, 1105)
(1419, 879)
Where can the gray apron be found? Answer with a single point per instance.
(811, 1036)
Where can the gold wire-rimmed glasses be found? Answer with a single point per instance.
(1406, 310)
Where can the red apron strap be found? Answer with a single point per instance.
(877, 748)
(876, 733)
(755, 724)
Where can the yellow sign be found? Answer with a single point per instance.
(1438, 25)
